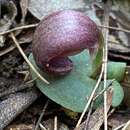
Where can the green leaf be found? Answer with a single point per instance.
(72, 91)
(116, 70)
(117, 95)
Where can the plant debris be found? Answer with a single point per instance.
(18, 88)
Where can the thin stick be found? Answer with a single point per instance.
(105, 93)
(103, 90)
(119, 127)
(105, 82)
(19, 28)
(112, 111)
(88, 116)
(30, 81)
(126, 125)
(91, 96)
(114, 28)
(34, 25)
(106, 35)
(55, 123)
(26, 59)
(42, 114)
(42, 127)
(9, 49)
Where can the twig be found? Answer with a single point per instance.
(106, 36)
(88, 116)
(34, 25)
(118, 43)
(30, 81)
(5, 51)
(26, 74)
(97, 118)
(42, 114)
(126, 125)
(90, 110)
(105, 89)
(91, 96)
(55, 123)
(114, 28)
(112, 111)
(15, 89)
(12, 47)
(119, 127)
(9, 49)
(19, 28)
(26, 59)
(105, 80)
(42, 127)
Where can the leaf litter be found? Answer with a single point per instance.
(18, 17)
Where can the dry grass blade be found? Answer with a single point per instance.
(97, 118)
(88, 116)
(119, 127)
(5, 51)
(42, 127)
(19, 28)
(55, 123)
(114, 28)
(26, 59)
(42, 114)
(30, 81)
(127, 126)
(91, 97)
(9, 49)
(34, 25)
(106, 35)
(101, 93)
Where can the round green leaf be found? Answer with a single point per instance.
(116, 70)
(71, 91)
(117, 95)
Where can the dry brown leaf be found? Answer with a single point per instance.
(41, 8)
(24, 8)
(6, 19)
(118, 119)
(26, 36)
